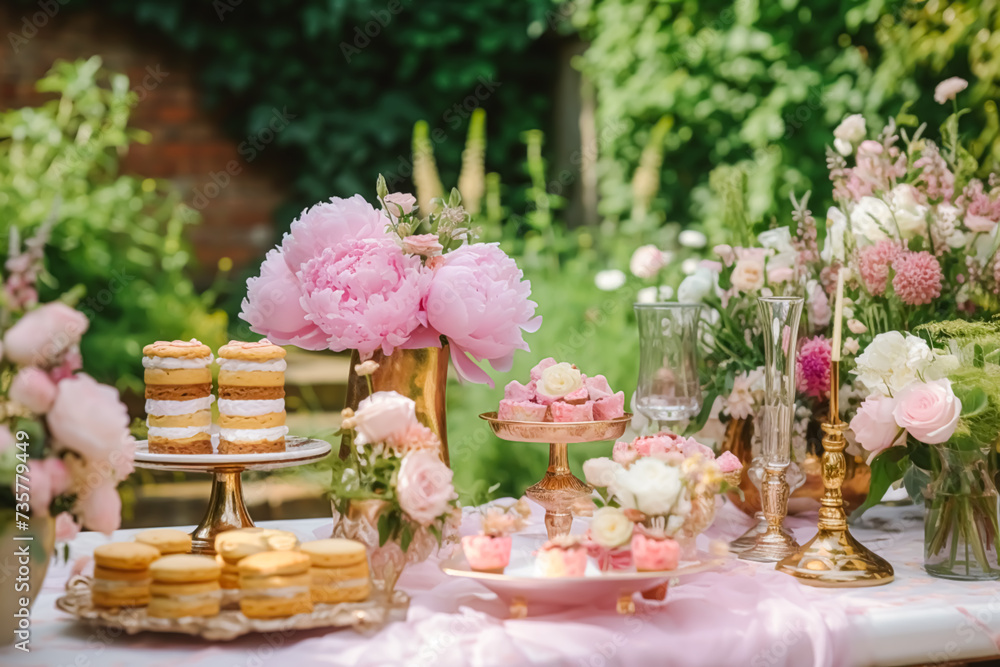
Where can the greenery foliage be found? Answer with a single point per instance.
(118, 241)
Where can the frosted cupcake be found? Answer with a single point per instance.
(489, 551)
(562, 556)
(251, 398)
(178, 396)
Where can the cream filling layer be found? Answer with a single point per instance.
(194, 597)
(286, 592)
(173, 363)
(173, 408)
(244, 365)
(253, 434)
(177, 433)
(109, 586)
(250, 408)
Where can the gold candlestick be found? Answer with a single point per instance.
(834, 558)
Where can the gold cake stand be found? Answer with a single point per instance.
(559, 488)
(226, 507)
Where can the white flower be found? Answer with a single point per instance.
(610, 527)
(836, 227)
(692, 238)
(911, 217)
(741, 401)
(609, 280)
(851, 346)
(690, 265)
(646, 261)
(650, 485)
(600, 472)
(949, 88)
(558, 380)
(852, 130)
(856, 326)
(666, 292)
(382, 415)
(843, 147)
(647, 295)
(365, 368)
(778, 239)
(893, 361)
(698, 285)
(871, 220)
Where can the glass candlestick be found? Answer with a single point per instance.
(779, 318)
(669, 390)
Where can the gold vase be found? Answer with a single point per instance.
(421, 375)
(39, 547)
(738, 440)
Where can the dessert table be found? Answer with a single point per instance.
(741, 614)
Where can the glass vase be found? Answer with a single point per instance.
(669, 389)
(960, 519)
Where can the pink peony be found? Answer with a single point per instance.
(813, 367)
(100, 508)
(426, 245)
(918, 278)
(929, 411)
(273, 306)
(66, 527)
(33, 389)
(424, 488)
(47, 479)
(44, 335)
(327, 225)
(89, 419)
(874, 262)
(874, 426)
(400, 201)
(479, 301)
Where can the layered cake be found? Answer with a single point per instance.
(178, 396)
(251, 398)
(559, 392)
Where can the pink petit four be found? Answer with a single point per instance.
(521, 411)
(578, 397)
(536, 372)
(562, 556)
(515, 391)
(487, 553)
(652, 555)
(567, 412)
(610, 407)
(598, 387)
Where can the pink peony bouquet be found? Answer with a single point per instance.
(64, 438)
(394, 458)
(350, 277)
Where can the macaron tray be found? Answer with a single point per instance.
(368, 616)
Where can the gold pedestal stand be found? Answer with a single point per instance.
(833, 558)
(559, 488)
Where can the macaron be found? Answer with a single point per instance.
(275, 584)
(235, 545)
(339, 571)
(166, 540)
(184, 585)
(125, 555)
(121, 574)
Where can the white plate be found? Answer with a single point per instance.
(296, 449)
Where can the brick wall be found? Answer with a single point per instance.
(189, 146)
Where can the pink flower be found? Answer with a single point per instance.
(326, 225)
(6, 439)
(273, 306)
(383, 415)
(741, 401)
(874, 262)
(100, 508)
(646, 261)
(918, 278)
(426, 245)
(725, 253)
(624, 453)
(929, 411)
(874, 427)
(424, 488)
(856, 326)
(404, 200)
(71, 363)
(728, 462)
(89, 419)
(416, 436)
(819, 306)
(42, 336)
(66, 527)
(479, 301)
(813, 367)
(949, 88)
(47, 479)
(748, 274)
(981, 212)
(33, 389)
(781, 274)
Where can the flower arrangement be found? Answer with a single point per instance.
(64, 438)
(348, 276)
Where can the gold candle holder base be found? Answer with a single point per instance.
(774, 543)
(559, 489)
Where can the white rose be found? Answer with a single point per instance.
(558, 380)
(609, 280)
(650, 486)
(893, 361)
(852, 129)
(836, 226)
(600, 472)
(911, 217)
(694, 288)
(610, 528)
(382, 415)
(871, 220)
(646, 261)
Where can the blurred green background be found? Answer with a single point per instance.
(590, 127)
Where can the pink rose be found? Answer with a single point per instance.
(33, 389)
(47, 478)
(929, 411)
(41, 337)
(479, 301)
(424, 487)
(404, 200)
(624, 454)
(100, 508)
(66, 527)
(88, 418)
(383, 415)
(874, 427)
(748, 275)
(426, 245)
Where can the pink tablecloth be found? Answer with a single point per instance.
(742, 614)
